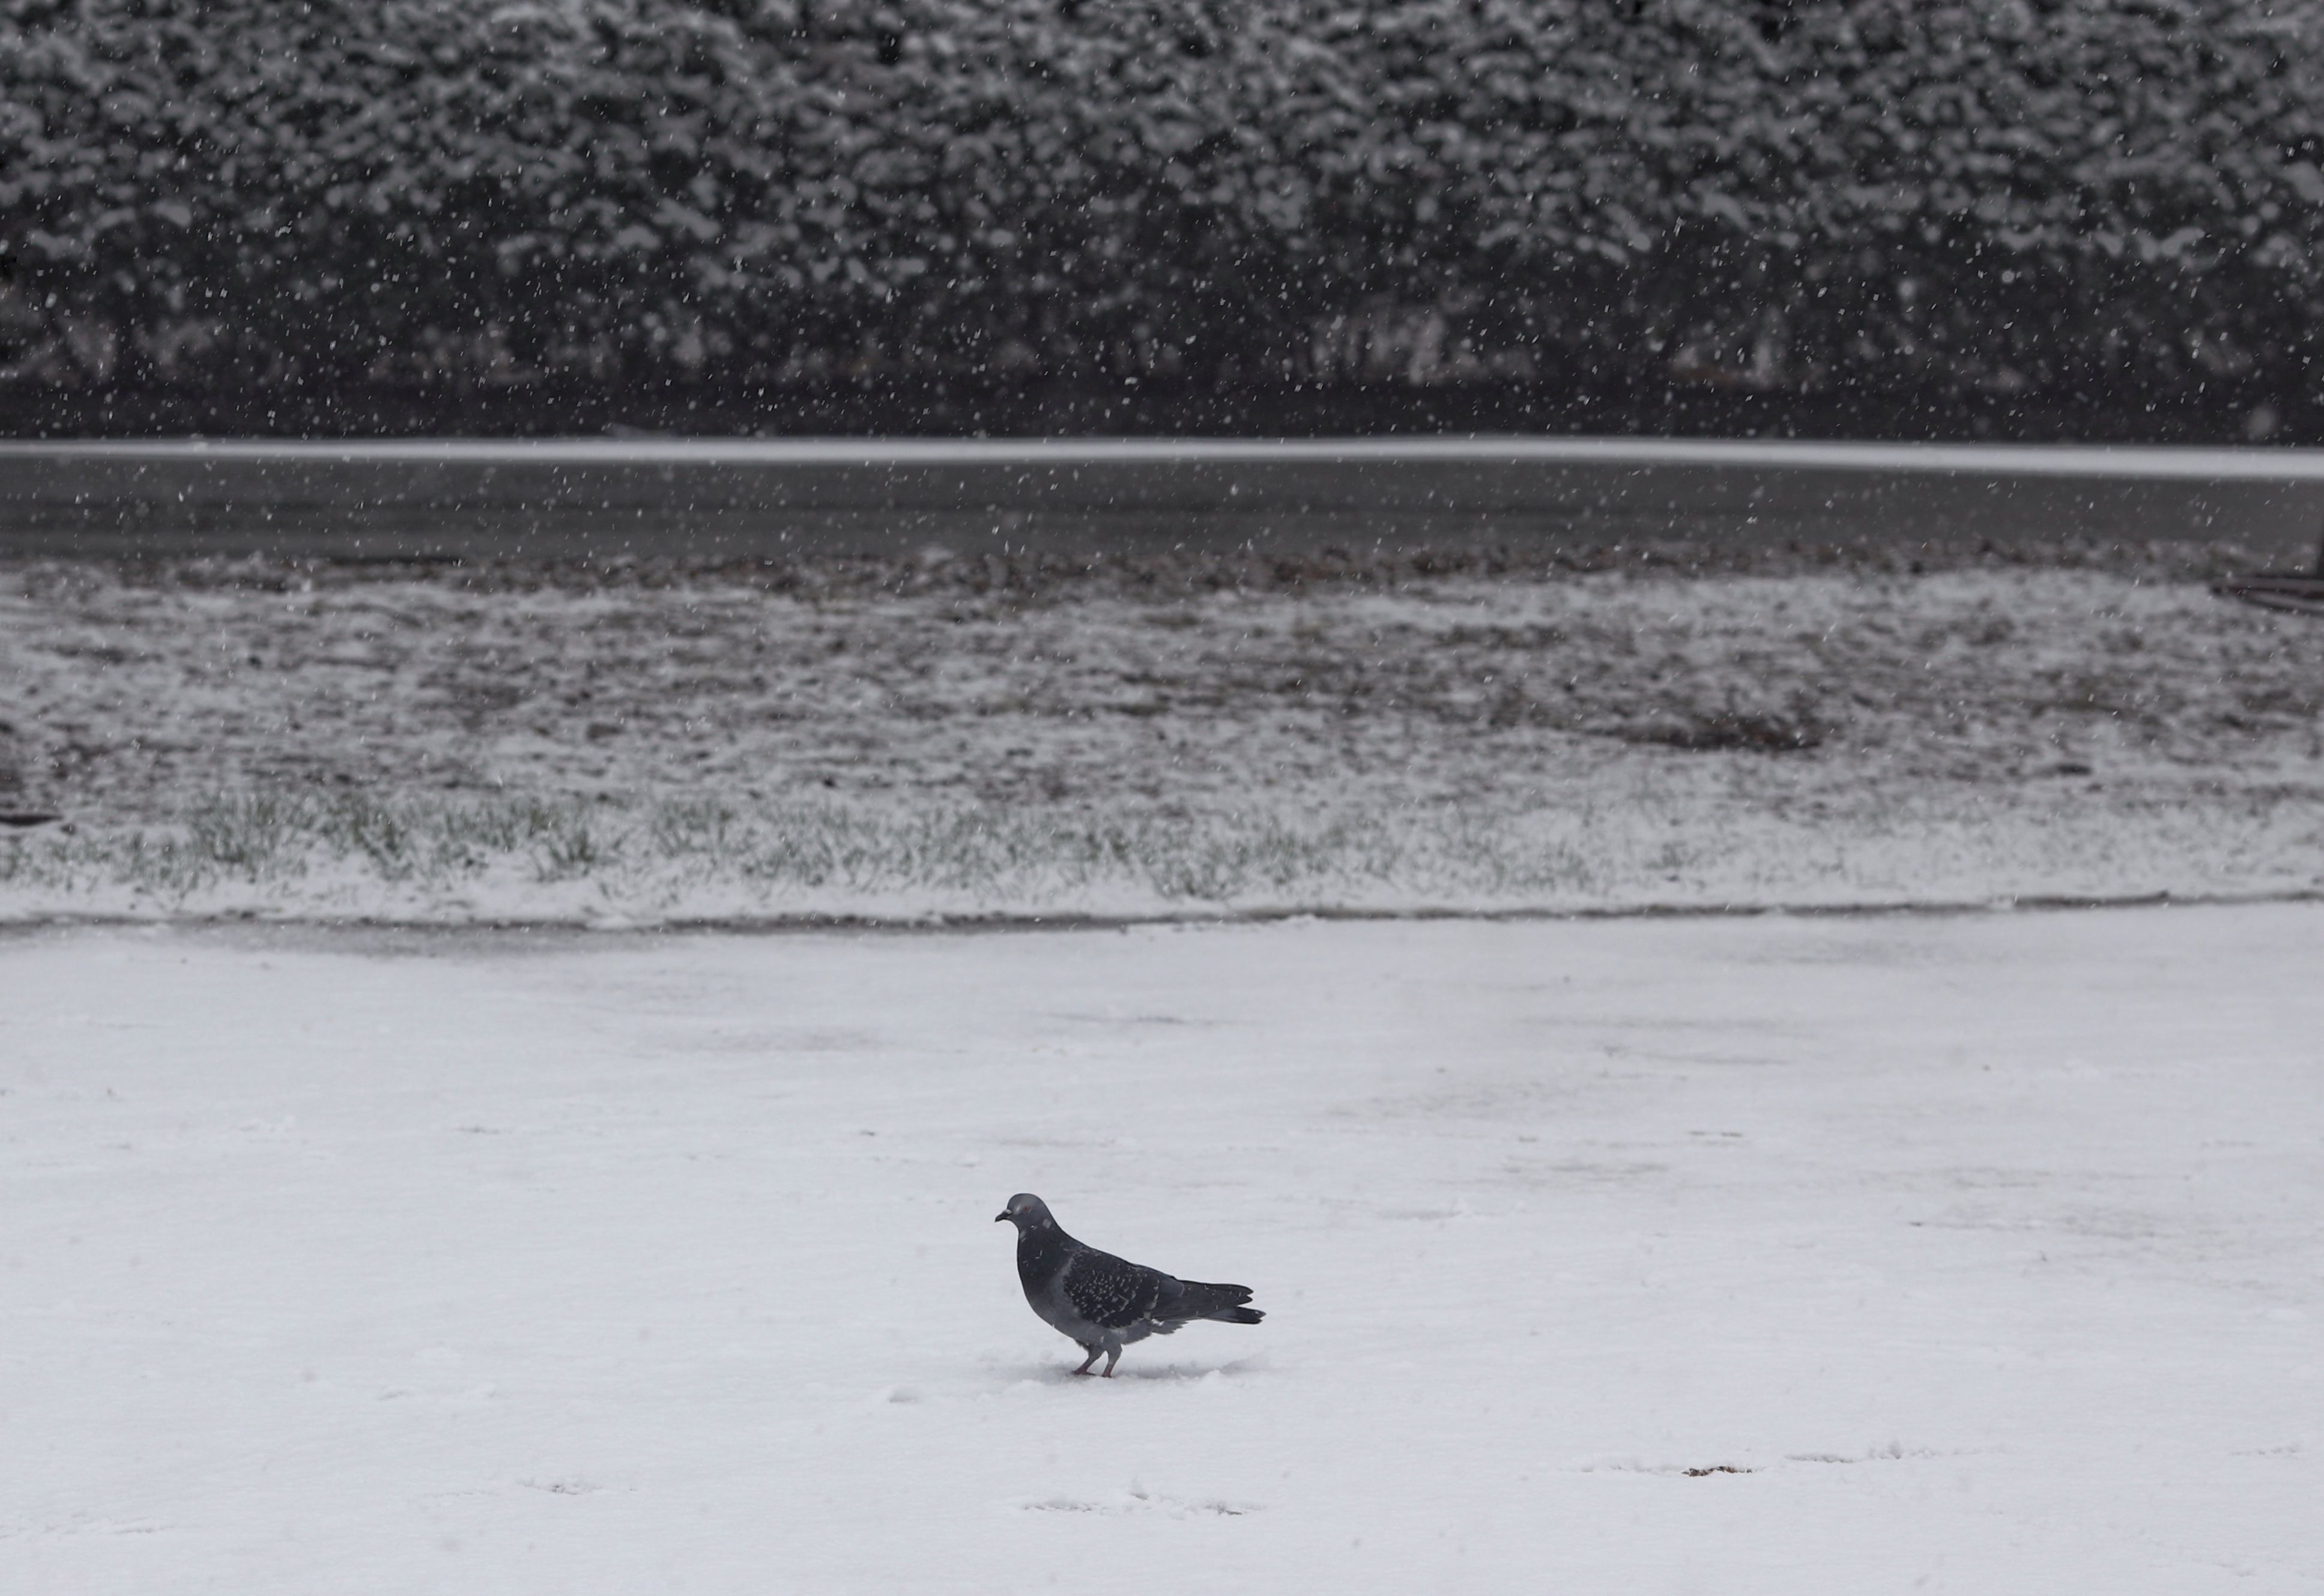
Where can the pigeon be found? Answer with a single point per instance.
(1098, 1300)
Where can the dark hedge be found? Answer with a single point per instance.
(2064, 197)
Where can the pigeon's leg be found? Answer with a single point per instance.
(1109, 1362)
(1093, 1352)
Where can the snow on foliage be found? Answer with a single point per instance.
(1780, 193)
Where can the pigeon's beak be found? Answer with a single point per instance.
(1000, 1216)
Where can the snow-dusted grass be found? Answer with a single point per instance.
(904, 739)
(457, 861)
(1970, 1254)
(676, 860)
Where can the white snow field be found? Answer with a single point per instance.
(1974, 1253)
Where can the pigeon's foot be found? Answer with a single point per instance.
(1109, 1362)
(1093, 1358)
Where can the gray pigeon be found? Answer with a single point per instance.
(1102, 1303)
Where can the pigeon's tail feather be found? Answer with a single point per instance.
(1222, 1303)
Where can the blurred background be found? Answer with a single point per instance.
(2014, 219)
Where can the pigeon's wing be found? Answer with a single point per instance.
(1163, 1313)
(1107, 1291)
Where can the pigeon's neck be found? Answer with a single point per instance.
(1041, 1248)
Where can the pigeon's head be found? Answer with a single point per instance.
(1026, 1212)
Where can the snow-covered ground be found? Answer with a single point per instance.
(968, 737)
(1972, 1253)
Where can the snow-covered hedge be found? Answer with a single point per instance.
(2061, 194)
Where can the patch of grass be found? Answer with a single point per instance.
(299, 848)
(436, 858)
(246, 836)
(1793, 729)
(565, 844)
